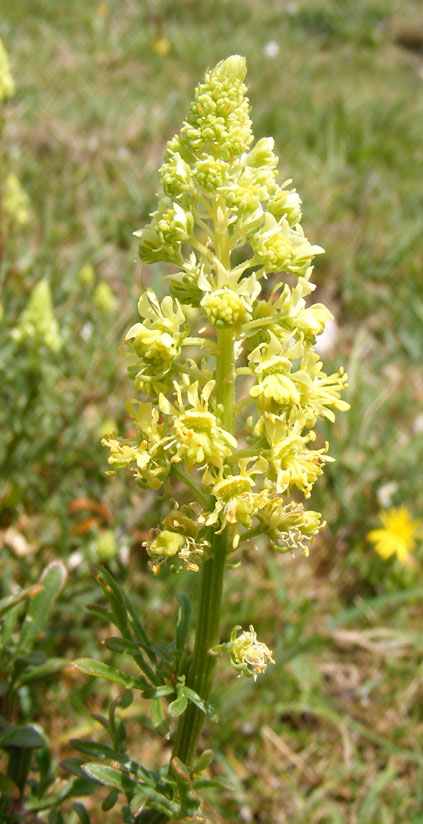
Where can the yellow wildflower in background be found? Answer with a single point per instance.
(399, 534)
(162, 46)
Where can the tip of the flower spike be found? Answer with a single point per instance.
(233, 67)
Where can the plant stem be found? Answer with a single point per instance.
(207, 635)
(200, 676)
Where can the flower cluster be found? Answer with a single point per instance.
(15, 201)
(38, 324)
(227, 224)
(7, 85)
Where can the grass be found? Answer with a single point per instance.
(332, 733)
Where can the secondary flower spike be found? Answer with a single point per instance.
(239, 301)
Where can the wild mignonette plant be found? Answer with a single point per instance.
(229, 392)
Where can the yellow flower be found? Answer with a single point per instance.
(198, 437)
(247, 654)
(399, 534)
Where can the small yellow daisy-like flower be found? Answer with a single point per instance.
(399, 534)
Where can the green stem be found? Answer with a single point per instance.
(200, 675)
(207, 635)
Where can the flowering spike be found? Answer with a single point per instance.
(226, 224)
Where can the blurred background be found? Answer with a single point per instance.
(333, 732)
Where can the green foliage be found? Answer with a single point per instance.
(27, 784)
(163, 669)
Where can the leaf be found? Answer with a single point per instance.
(203, 761)
(52, 580)
(122, 645)
(158, 692)
(81, 812)
(183, 621)
(12, 600)
(202, 705)
(35, 658)
(51, 667)
(113, 594)
(180, 770)
(105, 613)
(93, 748)
(178, 706)
(152, 800)
(212, 783)
(8, 788)
(16, 736)
(156, 712)
(97, 669)
(73, 766)
(110, 800)
(110, 776)
(125, 699)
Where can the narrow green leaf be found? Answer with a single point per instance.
(203, 761)
(90, 666)
(102, 611)
(178, 706)
(128, 647)
(52, 581)
(12, 600)
(81, 812)
(158, 692)
(125, 699)
(183, 622)
(110, 777)
(51, 667)
(73, 766)
(25, 737)
(138, 801)
(110, 800)
(181, 770)
(35, 658)
(92, 748)
(140, 633)
(156, 712)
(113, 594)
(151, 799)
(202, 705)
(211, 783)
(122, 645)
